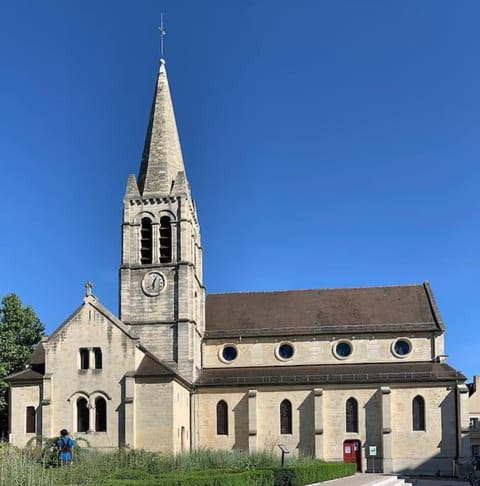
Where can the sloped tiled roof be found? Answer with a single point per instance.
(25, 376)
(323, 311)
(38, 355)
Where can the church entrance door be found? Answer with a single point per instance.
(352, 452)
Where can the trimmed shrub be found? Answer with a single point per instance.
(316, 472)
(202, 478)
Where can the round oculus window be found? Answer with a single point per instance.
(401, 347)
(229, 353)
(343, 349)
(285, 351)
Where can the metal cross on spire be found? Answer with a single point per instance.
(162, 35)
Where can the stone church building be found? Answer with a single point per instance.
(355, 374)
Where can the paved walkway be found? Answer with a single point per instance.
(386, 480)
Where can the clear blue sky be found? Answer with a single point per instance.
(328, 144)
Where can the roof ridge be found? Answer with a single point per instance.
(318, 288)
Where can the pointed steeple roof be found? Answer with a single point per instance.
(162, 159)
(132, 188)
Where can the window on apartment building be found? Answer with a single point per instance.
(222, 418)
(84, 358)
(100, 414)
(30, 420)
(473, 422)
(97, 353)
(351, 415)
(146, 253)
(418, 413)
(165, 240)
(83, 419)
(286, 417)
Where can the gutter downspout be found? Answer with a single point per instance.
(457, 431)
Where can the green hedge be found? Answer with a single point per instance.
(314, 473)
(289, 476)
(201, 478)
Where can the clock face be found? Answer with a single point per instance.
(153, 283)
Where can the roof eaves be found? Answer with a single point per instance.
(433, 306)
(114, 319)
(325, 329)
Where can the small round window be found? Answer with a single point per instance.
(228, 353)
(285, 351)
(401, 347)
(343, 349)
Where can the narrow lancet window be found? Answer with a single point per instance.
(30, 420)
(100, 415)
(82, 415)
(418, 413)
(351, 415)
(222, 418)
(97, 353)
(285, 417)
(146, 241)
(165, 240)
(84, 358)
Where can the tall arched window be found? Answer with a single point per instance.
(351, 415)
(222, 418)
(418, 413)
(30, 420)
(82, 415)
(286, 417)
(100, 414)
(165, 240)
(146, 241)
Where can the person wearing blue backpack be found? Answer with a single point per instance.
(65, 446)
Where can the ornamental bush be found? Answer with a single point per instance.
(301, 474)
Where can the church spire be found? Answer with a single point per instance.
(162, 162)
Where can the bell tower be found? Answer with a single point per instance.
(162, 297)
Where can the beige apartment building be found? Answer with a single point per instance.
(355, 374)
(474, 408)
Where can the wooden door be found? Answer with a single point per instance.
(352, 453)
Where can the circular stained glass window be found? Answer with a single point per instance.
(343, 349)
(402, 347)
(285, 351)
(229, 353)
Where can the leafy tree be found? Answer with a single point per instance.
(20, 330)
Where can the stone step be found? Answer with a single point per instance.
(365, 480)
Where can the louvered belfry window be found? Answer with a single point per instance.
(165, 240)
(146, 253)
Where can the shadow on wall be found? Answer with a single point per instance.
(444, 462)
(240, 417)
(441, 464)
(121, 415)
(373, 436)
(306, 444)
